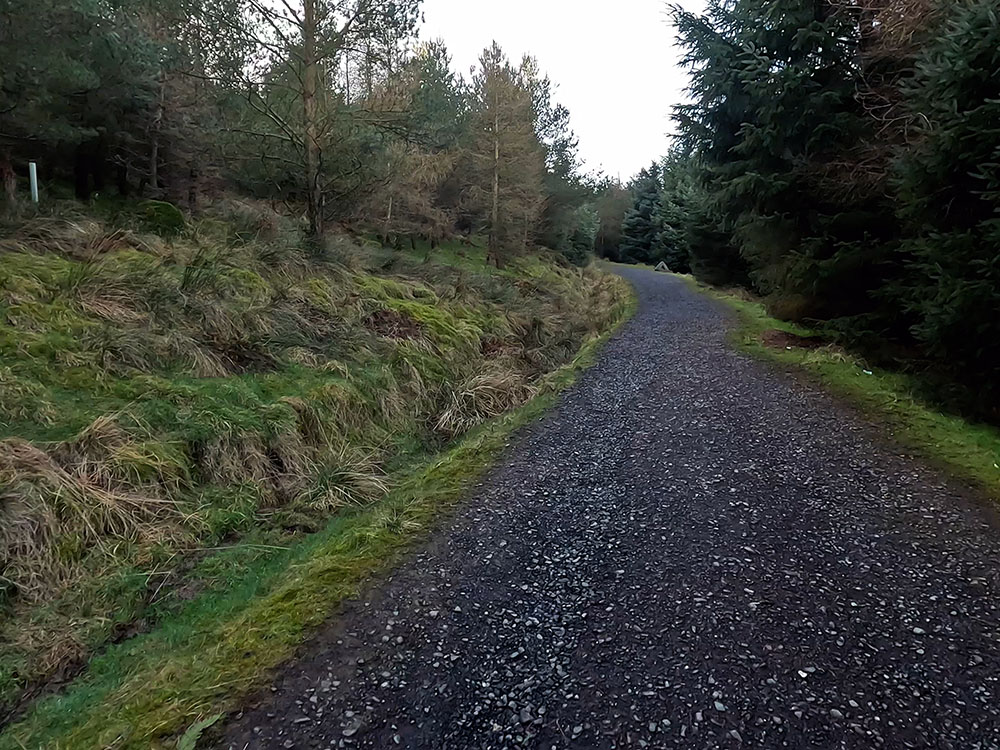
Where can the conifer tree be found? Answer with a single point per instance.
(774, 124)
(506, 162)
(612, 202)
(298, 121)
(641, 228)
(949, 190)
(76, 80)
(675, 213)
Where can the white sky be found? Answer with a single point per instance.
(614, 64)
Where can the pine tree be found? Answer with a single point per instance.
(613, 201)
(949, 190)
(409, 195)
(641, 228)
(566, 192)
(295, 123)
(506, 162)
(581, 240)
(438, 100)
(76, 80)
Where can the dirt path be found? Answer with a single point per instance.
(691, 551)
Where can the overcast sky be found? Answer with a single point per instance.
(613, 61)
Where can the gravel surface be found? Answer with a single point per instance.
(691, 551)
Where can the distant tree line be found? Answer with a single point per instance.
(842, 158)
(331, 108)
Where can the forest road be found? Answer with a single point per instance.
(692, 550)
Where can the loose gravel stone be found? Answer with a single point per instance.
(692, 550)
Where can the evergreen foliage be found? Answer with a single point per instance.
(840, 159)
(327, 108)
(675, 215)
(613, 201)
(640, 241)
(949, 192)
(774, 120)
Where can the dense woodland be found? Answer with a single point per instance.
(286, 260)
(332, 109)
(841, 158)
(838, 157)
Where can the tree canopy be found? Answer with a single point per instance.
(333, 109)
(839, 158)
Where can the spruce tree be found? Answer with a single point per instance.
(949, 191)
(675, 214)
(774, 125)
(640, 228)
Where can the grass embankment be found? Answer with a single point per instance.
(967, 450)
(215, 439)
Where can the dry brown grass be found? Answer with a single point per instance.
(350, 477)
(496, 388)
(229, 389)
(24, 401)
(72, 236)
(51, 515)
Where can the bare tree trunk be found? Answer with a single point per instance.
(122, 179)
(494, 240)
(388, 224)
(347, 77)
(8, 178)
(310, 106)
(368, 70)
(154, 139)
(192, 196)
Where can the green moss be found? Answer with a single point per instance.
(384, 289)
(453, 253)
(321, 294)
(446, 326)
(244, 284)
(162, 218)
(218, 648)
(411, 358)
(182, 347)
(29, 275)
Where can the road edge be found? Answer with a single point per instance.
(184, 681)
(967, 451)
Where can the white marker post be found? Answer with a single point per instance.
(33, 178)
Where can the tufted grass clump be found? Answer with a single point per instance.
(177, 400)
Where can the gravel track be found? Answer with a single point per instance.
(691, 551)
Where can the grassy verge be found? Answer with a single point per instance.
(969, 451)
(203, 660)
(187, 409)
